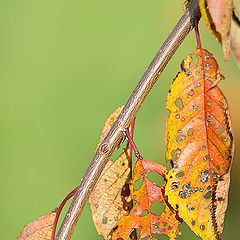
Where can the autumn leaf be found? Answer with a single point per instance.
(221, 14)
(109, 122)
(199, 145)
(40, 229)
(107, 202)
(223, 20)
(236, 8)
(235, 37)
(141, 215)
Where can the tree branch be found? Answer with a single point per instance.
(113, 138)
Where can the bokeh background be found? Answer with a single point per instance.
(65, 65)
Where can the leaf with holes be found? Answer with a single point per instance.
(199, 145)
(40, 229)
(144, 197)
(108, 199)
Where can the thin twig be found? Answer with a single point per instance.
(59, 210)
(114, 136)
(129, 145)
(133, 145)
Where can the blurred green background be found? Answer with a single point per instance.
(65, 65)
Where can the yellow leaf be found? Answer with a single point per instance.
(107, 202)
(199, 145)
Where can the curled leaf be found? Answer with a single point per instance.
(223, 20)
(199, 145)
(236, 8)
(109, 122)
(40, 229)
(141, 215)
(235, 40)
(208, 19)
(221, 14)
(107, 201)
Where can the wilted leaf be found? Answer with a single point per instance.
(109, 122)
(235, 40)
(199, 145)
(141, 215)
(208, 19)
(40, 229)
(223, 20)
(221, 14)
(107, 202)
(236, 8)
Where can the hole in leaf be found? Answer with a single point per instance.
(208, 195)
(194, 61)
(144, 213)
(179, 103)
(155, 177)
(180, 174)
(156, 226)
(157, 208)
(206, 67)
(138, 232)
(191, 92)
(211, 79)
(138, 184)
(180, 138)
(175, 154)
(104, 221)
(202, 227)
(219, 131)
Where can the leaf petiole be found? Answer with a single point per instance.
(131, 142)
(196, 21)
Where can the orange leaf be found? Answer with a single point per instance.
(40, 229)
(109, 122)
(107, 202)
(199, 145)
(141, 216)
